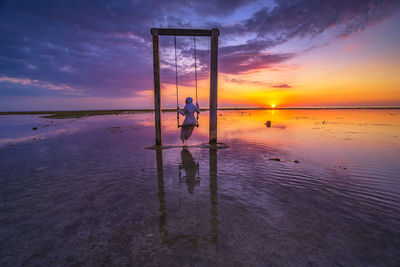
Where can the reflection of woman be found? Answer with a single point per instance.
(190, 121)
(191, 169)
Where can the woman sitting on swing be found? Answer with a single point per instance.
(190, 121)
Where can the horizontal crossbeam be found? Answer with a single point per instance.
(181, 32)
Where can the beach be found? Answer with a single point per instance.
(318, 187)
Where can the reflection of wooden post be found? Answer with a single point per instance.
(213, 86)
(213, 195)
(193, 239)
(161, 195)
(157, 95)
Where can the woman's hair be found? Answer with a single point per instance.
(188, 100)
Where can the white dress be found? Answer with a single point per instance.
(189, 111)
(190, 121)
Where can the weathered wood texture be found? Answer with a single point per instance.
(157, 95)
(181, 32)
(213, 86)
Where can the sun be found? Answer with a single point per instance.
(273, 105)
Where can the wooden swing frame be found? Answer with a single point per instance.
(214, 34)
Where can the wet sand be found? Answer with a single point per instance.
(85, 191)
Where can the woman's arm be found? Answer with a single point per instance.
(182, 112)
(197, 109)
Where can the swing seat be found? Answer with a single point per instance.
(196, 125)
(181, 125)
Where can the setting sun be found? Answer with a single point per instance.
(273, 105)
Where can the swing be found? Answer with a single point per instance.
(195, 78)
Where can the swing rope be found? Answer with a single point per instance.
(176, 82)
(176, 74)
(195, 64)
(195, 79)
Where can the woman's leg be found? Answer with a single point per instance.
(186, 132)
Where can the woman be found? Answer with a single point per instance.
(190, 121)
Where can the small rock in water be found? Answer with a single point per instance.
(34, 128)
(41, 169)
(296, 161)
(276, 159)
(268, 123)
(149, 236)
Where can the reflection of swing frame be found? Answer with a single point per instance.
(212, 236)
(214, 33)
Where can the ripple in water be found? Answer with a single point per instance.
(95, 196)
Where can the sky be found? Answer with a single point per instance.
(77, 55)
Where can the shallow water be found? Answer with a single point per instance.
(86, 191)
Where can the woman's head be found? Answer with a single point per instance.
(189, 100)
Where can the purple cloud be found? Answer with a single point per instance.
(258, 83)
(298, 19)
(283, 85)
(246, 61)
(103, 48)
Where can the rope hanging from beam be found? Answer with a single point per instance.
(176, 74)
(195, 79)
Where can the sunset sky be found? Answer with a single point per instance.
(69, 55)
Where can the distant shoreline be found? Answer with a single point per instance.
(88, 113)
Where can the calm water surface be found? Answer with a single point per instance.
(87, 192)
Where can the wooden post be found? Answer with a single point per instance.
(157, 95)
(213, 86)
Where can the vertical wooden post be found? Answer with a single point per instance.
(157, 95)
(213, 86)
